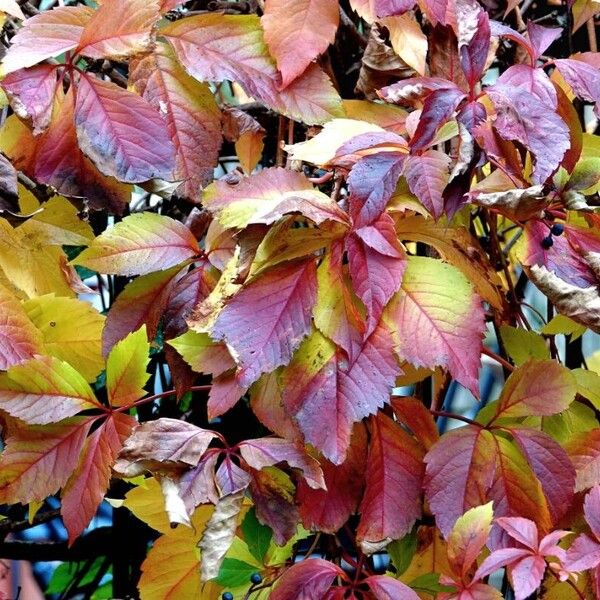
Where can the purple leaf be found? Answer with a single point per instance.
(474, 53)
(388, 8)
(427, 176)
(583, 78)
(535, 81)
(541, 37)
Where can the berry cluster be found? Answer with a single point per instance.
(548, 241)
(255, 579)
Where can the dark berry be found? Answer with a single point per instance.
(557, 229)
(255, 578)
(547, 242)
(227, 596)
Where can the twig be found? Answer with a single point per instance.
(497, 358)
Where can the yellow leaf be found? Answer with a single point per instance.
(430, 556)
(71, 330)
(522, 345)
(146, 502)
(126, 368)
(58, 223)
(408, 41)
(171, 570)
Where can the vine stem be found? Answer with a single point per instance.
(498, 359)
(450, 415)
(194, 388)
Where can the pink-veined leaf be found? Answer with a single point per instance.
(591, 509)
(224, 394)
(460, 471)
(215, 47)
(44, 390)
(263, 330)
(376, 272)
(498, 559)
(267, 452)
(139, 244)
(527, 575)
(392, 499)
(541, 37)
(327, 394)
(198, 485)
(37, 460)
(19, 338)
(296, 34)
(413, 413)
(532, 80)
(192, 116)
(266, 197)
(48, 34)
(328, 509)
(121, 133)
(438, 320)
(584, 451)
(583, 78)
(583, 554)
(119, 29)
(474, 40)
(427, 176)
(230, 478)
(310, 578)
(31, 93)
(88, 483)
(389, 588)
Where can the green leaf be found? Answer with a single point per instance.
(257, 536)
(565, 326)
(234, 573)
(588, 385)
(430, 584)
(66, 573)
(522, 345)
(402, 551)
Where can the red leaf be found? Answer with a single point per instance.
(527, 575)
(534, 80)
(267, 452)
(371, 182)
(438, 108)
(376, 277)
(392, 500)
(48, 34)
(584, 452)
(328, 510)
(583, 554)
(297, 34)
(198, 485)
(310, 578)
(87, 485)
(413, 413)
(37, 460)
(541, 37)
(61, 164)
(327, 394)
(121, 133)
(230, 478)
(522, 117)
(584, 79)
(224, 394)
(31, 94)
(591, 509)
(460, 471)
(474, 51)
(262, 329)
(552, 467)
(119, 29)
(388, 588)
(427, 176)
(192, 116)
(389, 8)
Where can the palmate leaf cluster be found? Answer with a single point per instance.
(266, 384)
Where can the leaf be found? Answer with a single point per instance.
(48, 34)
(19, 338)
(121, 133)
(139, 244)
(219, 534)
(71, 331)
(523, 345)
(584, 452)
(412, 413)
(87, 485)
(234, 573)
(31, 92)
(328, 509)
(376, 272)
(267, 452)
(408, 41)
(583, 79)
(38, 460)
(172, 567)
(146, 502)
(192, 116)
(11, 7)
(142, 302)
(326, 394)
(460, 471)
(437, 305)
(388, 588)
(392, 499)
(468, 537)
(44, 390)
(516, 204)
(474, 40)
(215, 47)
(537, 387)
(126, 365)
(119, 29)
(262, 331)
(310, 578)
(522, 117)
(247, 134)
(202, 354)
(295, 37)
(427, 176)
(266, 197)
(257, 536)
(335, 312)
(164, 440)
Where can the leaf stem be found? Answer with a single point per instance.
(194, 388)
(450, 415)
(498, 359)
